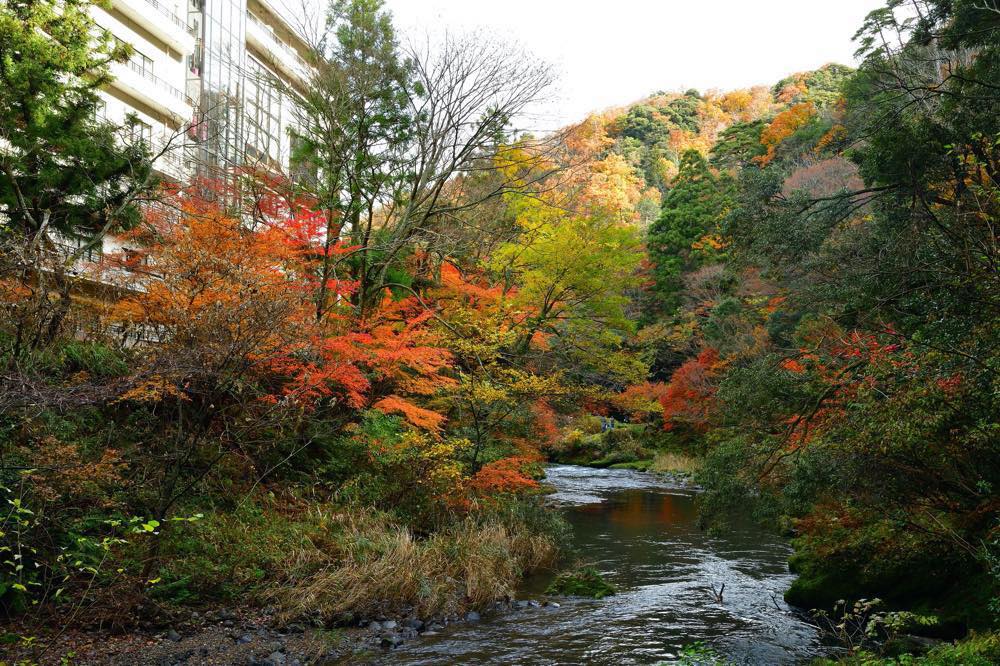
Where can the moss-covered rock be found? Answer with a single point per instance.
(918, 579)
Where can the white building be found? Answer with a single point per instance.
(195, 81)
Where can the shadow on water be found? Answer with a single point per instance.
(641, 532)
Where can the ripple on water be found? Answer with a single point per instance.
(586, 485)
(641, 532)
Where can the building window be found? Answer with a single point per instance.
(101, 111)
(140, 132)
(194, 61)
(141, 63)
(263, 112)
(134, 259)
(92, 254)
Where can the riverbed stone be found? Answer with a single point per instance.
(472, 616)
(413, 623)
(390, 624)
(173, 636)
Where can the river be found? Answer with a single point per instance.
(640, 530)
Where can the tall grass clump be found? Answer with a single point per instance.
(380, 567)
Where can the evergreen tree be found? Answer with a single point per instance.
(691, 211)
(61, 169)
(356, 125)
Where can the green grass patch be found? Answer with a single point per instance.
(586, 582)
(638, 465)
(977, 650)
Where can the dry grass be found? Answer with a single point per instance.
(381, 568)
(666, 461)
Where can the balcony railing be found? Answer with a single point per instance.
(171, 161)
(283, 47)
(169, 13)
(158, 82)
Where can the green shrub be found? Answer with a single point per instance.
(586, 582)
(227, 555)
(977, 650)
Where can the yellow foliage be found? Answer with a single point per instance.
(153, 390)
(784, 125)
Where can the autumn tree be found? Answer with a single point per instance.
(398, 133)
(688, 400)
(355, 125)
(67, 179)
(490, 403)
(784, 125)
(233, 353)
(821, 87)
(573, 273)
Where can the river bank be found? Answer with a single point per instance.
(638, 529)
(678, 586)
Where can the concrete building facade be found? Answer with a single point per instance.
(197, 81)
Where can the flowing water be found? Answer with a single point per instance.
(641, 532)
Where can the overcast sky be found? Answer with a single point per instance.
(612, 52)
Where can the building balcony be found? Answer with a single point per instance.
(170, 161)
(159, 20)
(151, 90)
(277, 53)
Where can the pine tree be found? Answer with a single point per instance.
(691, 210)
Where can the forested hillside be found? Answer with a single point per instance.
(331, 398)
(825, 272)
(822, 302)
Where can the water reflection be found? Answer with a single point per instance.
(642, 533)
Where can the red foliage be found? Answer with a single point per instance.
(419, 417)
(864, 346)
(253, 296)
(951, 384)
(793, 365)
(642, 401)
(506, 475)
(689, 398)
(545, 422)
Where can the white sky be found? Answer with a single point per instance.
(612, 52)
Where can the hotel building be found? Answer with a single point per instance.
(196, 81)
